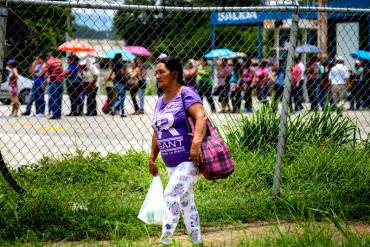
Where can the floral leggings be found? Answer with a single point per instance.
(179, 195)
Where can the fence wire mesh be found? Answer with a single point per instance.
(88, 98)
(248, 71)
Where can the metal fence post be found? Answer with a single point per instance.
(285, 101)
(3, 18)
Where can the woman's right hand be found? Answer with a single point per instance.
(153, 168)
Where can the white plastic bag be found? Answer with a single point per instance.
(152, 210)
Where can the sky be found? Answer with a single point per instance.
(97, 19)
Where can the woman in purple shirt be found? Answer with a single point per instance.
(180, 153)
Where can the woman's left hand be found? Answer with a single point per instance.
(196, 153)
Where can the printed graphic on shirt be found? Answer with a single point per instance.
(173, 143)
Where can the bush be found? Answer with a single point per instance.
(261, 130)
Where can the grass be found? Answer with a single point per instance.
(310, 235)
(94, 197)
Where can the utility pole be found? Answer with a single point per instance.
(3, 18)
(322, 31)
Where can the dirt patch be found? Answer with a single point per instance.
(230, 235)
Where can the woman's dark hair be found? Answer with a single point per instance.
(117, 58)
(248, 63)
(203, 58)
(43, 56)
(173, 65)
(74, 59)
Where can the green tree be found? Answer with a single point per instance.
(184, 34)
(32, 29)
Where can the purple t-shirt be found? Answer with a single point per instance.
(169, 123)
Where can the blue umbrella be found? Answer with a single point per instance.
(220, 53)
(361, 55)
(125, 55)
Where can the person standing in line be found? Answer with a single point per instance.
(13, 86)
(280, 81)
(223, 75)
(297, 86)
(338, 77)
(190, 73)
(313, 82)
(133, 84)
(204, 83)
(74, 85)
(142, 77)
(54, 68)
(366, 85)
(249, 82)
(38, 88)
(120, 83)
(356, 87)
(235, 86)
(263, 87)
(89, 73)
(170, 127)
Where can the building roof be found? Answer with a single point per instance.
(102, 46)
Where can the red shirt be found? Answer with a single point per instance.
(54, 68)
(296, 75)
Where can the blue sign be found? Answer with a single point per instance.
(235, 18)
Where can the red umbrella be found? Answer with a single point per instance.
(76, 46)
(138, 50)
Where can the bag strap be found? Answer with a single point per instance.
(188, 126)
(210, 131)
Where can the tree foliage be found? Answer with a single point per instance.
(32, 29)
(184, 34)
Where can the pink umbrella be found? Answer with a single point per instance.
(138, 50)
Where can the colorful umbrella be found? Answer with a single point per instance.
(220, 53)
(138, 51)
(361, 55)
(76, 46)
(308, 49)
(125, 55)
(237, 55)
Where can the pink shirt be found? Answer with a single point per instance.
(54, 68)
(312, 71)
(262, 76)
(296, 75)
(248, 74)
(223, 73)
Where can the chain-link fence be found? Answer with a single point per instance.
(64, 88)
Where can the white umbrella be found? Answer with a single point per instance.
(308, 49)
(237, 55)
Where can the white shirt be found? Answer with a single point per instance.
(338, 74)
(303, 69)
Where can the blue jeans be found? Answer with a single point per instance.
(55, 98)
(32, 99)
(141, 93)
(120, 87)
(39, 98)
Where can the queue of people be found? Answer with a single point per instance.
(81, 81)
(326, 83)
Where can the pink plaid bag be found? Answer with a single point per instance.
(216, 158)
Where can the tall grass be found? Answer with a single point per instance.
(261, 130)
(94, 197)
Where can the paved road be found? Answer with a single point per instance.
(24, 140)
